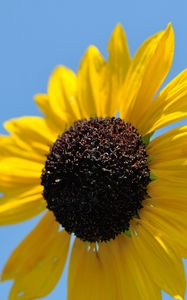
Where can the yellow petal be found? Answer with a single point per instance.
(173, 208)
(11, 147)
(159, 259)
(169, 226)
(169, 152)
(37, 272)
(114, 72)
(136, 280)
(22, 260)
(23, 153)
(165, 189)
(174, 170)
(168, 204)
(31, 134)
(111, 256)
(127, 278)
(146, 73)
(33, 126)
(60, 106)
(21, 204)
(62, 91)
(89, 82)
(84, 281)
(22, 157)
(17, 171)
(169, 146)
(169, 106)
(16, 167)
(56, 123)
(89, 276)
(111, 273)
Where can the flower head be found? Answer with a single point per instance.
(90, 164)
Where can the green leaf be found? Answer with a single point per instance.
(153, 176)
(150, 158)
(127, 233)
(146, 138)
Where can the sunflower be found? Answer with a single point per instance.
(111, 196)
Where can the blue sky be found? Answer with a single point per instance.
(37, 35)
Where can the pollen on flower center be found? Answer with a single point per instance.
(95, 178)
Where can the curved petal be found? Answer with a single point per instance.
(88, 83)
(169, 106)
(159, 259)
(169, 153)
(21, 204)
(30, 134)
(169, 146)
(114, 72)
(174, 171)
(137, 282)
(169, 209)
(22, 157)
(89, 275)
(85, 271)
(168, 192)
(58, 124)
(173, 225)
(35, 270)
(60, 106)
(17, 171)
(175, 192)
(62, 89)
(109, 273)
(11, 146)
(146, 73)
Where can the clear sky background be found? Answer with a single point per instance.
(37, 35)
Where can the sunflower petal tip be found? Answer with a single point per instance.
(169, 26)
(118, 31)
(36, 97)
(90, 53)
(118, 41)
(92, 49)
(119, 27)
(39, 98)
(170, 29)
(58, 69)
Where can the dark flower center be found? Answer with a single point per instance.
(95, 178)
